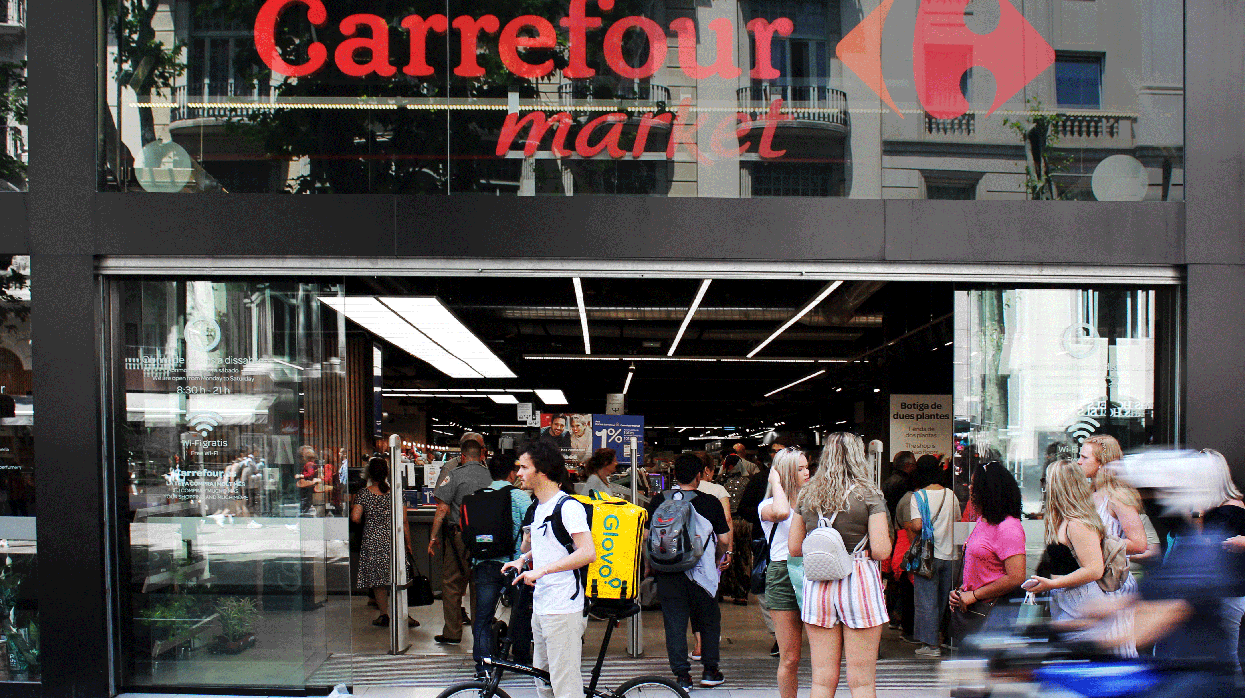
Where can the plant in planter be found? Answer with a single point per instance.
(19, 624)
(177, 621)
(237, 617)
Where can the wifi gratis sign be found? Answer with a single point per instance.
(921, 424)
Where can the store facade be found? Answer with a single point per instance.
(848, 200)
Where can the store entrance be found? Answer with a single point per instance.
(247, 413)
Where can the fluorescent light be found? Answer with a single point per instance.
(430, 316)
(631, 357)
(551, 397)
(821, 295)
(704, 286)
(627, 384)
(424, 328)
(583, 313)
(504, 399)
(809, 376)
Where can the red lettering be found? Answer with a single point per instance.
(538, 125)
(681, 134)
(266, 43)
(468, 29)
(646, 123)
(723, 132)
(609, 141)
(419, 28)
(724, 65)
(763, 35)
(767, 134)
(578, 24)
(656, 47)
(510, 41)
(377, 44)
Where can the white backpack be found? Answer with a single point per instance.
(825, 555)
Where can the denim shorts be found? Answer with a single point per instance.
(779, 595)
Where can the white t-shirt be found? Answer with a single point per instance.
(553, 593)
(713, 488)
(944, 512)
(778, 549)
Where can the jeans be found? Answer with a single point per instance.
(1233, 609)
(932, 600)
(683, 600)
(488, 583)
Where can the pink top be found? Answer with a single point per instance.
(987, 547)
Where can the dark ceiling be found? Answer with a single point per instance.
(890, 337)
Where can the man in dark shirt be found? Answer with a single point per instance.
(690, 595)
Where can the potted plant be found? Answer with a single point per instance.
(237, 617)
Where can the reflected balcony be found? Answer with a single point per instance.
(633, 93)
(12, 16)
(813, 106)
(215, 101)
(1079, 129)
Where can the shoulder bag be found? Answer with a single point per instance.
(919, 559)
(761, 556)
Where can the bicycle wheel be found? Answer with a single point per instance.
(472, 689)
(650, 687)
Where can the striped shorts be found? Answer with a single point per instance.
(856, 600)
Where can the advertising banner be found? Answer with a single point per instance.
(570, 432)
(615, 431)
(921, 424)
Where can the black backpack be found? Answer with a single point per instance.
(488, 530)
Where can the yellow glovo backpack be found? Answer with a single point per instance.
(617, 530)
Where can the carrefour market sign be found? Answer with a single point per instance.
(369, 34)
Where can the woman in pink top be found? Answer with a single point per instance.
(994, 555)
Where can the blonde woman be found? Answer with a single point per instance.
(1226, 516)
(787, 476)
(1074, 533)
(1118, 504)
(844, 617)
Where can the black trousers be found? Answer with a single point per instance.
(684, 601)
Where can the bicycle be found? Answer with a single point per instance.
(639, 687)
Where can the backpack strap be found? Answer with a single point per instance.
(564, 537)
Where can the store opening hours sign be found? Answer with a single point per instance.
(921, 424)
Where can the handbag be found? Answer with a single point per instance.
(1030, 611)
(1114, 562)
(825, 555)
(920, 556)
(760, 556)
(419, 590)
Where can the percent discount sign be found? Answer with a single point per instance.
(616, 431)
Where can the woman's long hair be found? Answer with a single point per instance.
(1069, 498)
(842, 464)
(994, 493)
(787, 462)
(1221, 486)
(378, 473)
(1107, 450)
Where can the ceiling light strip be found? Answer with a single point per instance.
(583, 313)
(704, 286)
(731, 359)
(808, 377)
(829, 288)
(627, 384)
(383, 322)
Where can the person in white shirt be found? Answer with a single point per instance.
(786, 477)
(558, 618)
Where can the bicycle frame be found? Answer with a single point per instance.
(501, 665)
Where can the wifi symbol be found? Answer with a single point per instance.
(205, 422)
(1083, 428)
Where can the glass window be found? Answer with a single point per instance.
(1078, 81)
(239, 426)
(1039, 370)
(13, 150)
(19, 597)
(445, 98)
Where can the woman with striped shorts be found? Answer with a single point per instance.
(844, 617)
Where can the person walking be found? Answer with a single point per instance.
(1117, 502)
(470, 477)
(736, 581)
(373, 507)
(558, 618)
(689, 595)
(1074, 534)
(994, 554)
(935, 506)
(844, 617)
(787, 476)
(1227, 518)
(487, 580)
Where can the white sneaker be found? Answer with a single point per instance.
(927, 651)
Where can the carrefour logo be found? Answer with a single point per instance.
(944, 48)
